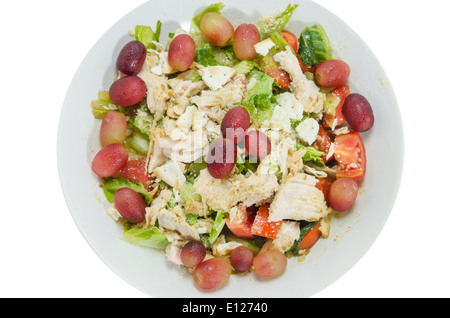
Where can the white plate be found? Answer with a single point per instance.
(352, 234)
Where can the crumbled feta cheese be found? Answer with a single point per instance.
(280, 120)
(263, 47)
(308, 130)
(184, 122)
(171, 174)
(291, 105)
(216, 76)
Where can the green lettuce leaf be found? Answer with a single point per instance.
(143, 120)
(244, 67)
(260, 100)
(139, 142)
(219, 223)
(146, 36)
(188, 194)
(312, 155)
(102, 105)
(314, 45)
(204, 55)
(268, 25)
(145, 237)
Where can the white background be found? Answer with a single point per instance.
(44, 255)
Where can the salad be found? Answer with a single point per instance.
(230, 147)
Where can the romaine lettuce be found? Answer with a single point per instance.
(102, 105)
(143, 120)
(145, 237)
(204, 55)
(219, 223)
(314, 45)
(146, 36)
(139, 142)
(268, 25)
(312, 155)
(188, 193)
(259, 100)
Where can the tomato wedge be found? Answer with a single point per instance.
(311, 238)
(241, 223)
(324, 185)
(323, 143)
(135, 170)
(291, 39)
(262, 227)
(350, 154)
(281, 77)
(341, 92)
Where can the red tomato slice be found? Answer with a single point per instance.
(291, 39)
(341, 92)
(323, 143)
(262, 227)
(241, 224)
(135, 170)
(311, 238)
(302, 65)
(350, 154)
(324, 185)
(281, 77)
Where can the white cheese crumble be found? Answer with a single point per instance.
(171, 174)
(263, 47)
(291, 105)
(307, 130)
(216, 76)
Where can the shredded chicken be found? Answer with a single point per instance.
(223, 194)
(216, 103)
(304, 90)
(157, 205)
(287, 235)
(157, 89)
(182, 92)
(222, 248)
(298, 199)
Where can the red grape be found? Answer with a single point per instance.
(235, 123)
(358, 112)
(181, 52)
(217, 29)
(130, 205)
(241, 258)
(212, 273)
(332, 73)
(127, 91)
(131, 58)
(270, 263)
(108, 161)
(245, 37)
(221, 158)
(257, 144)
(193, 253)
(113, 129)
(342, 194)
